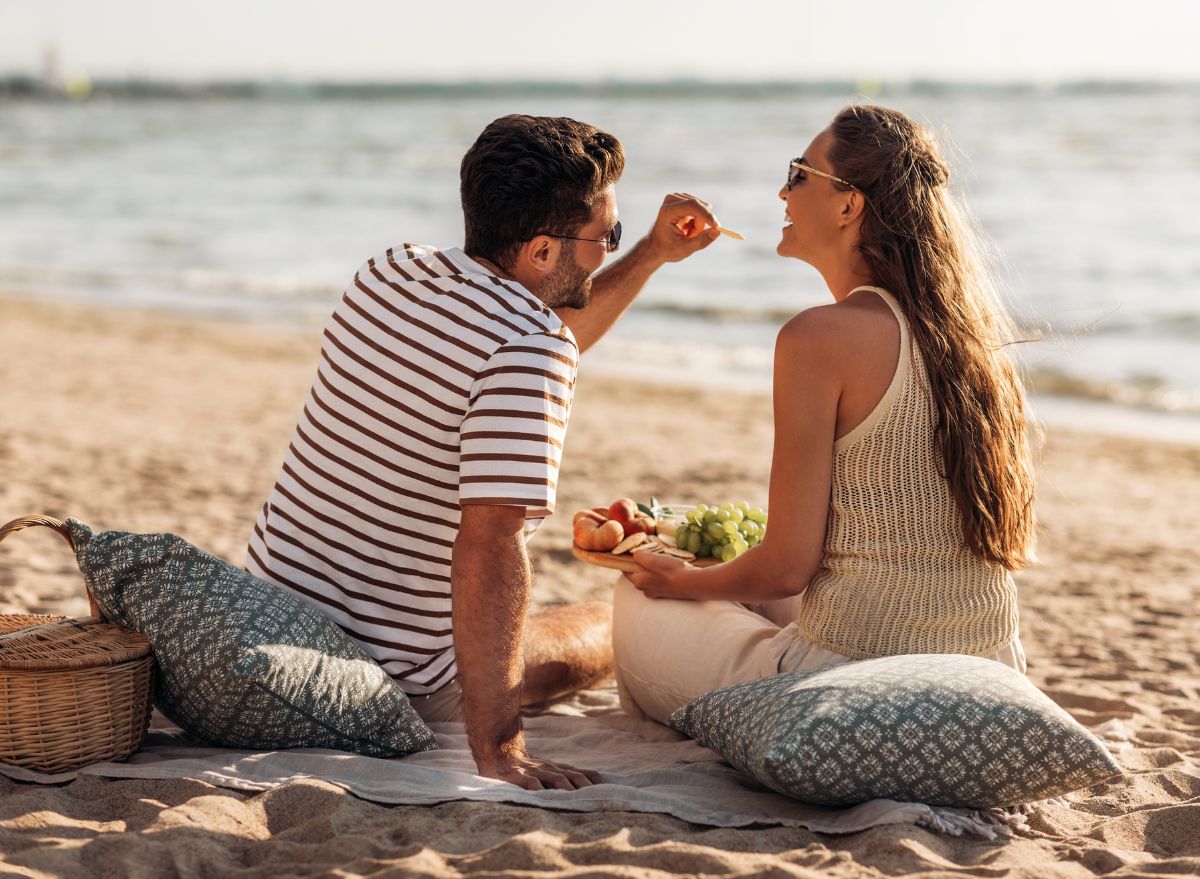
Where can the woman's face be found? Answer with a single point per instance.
(812, 206)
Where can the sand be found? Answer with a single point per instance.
(145, 422)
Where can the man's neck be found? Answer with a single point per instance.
(498, 271)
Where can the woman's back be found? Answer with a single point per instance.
(896, 575)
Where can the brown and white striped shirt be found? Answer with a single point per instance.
(439, 384)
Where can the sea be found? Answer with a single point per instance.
(259, 201)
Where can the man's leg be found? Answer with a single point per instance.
(567, 648)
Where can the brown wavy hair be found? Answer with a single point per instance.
(920, 247)
(531, 175)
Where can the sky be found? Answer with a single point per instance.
(706, 39)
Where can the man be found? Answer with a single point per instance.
(428, 449)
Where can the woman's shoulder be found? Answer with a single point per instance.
(859, 323)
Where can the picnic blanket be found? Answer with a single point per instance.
(646, 768)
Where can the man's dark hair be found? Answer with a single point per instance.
(531, 175)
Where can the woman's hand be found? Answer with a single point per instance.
(662, 575)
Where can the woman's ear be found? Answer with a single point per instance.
(852, 207)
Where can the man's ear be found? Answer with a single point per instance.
(538, 255)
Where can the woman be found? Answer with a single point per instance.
(902, 489)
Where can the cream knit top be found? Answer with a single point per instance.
(896, 576)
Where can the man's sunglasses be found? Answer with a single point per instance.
(797, 169)
(611, 241)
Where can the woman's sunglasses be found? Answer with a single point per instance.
(611, 241)
(797, 169)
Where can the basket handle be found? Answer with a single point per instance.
(61, 527)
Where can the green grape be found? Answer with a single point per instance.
(723, 531)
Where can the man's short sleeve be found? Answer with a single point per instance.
(512, 435)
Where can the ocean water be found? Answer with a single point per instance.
(263, 205)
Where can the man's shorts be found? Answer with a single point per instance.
(440, 706)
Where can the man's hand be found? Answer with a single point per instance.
(491, 583)
(685, 224)
(515, 766)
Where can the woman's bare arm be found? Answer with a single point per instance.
(810, 359)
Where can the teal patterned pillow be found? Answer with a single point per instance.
(241, 663)
(940, 729)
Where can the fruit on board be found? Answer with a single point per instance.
(724, 531)
(634, 521)
(596, 536)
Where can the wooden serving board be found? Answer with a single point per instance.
(625, 561)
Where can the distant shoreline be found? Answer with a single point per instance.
(18, 86)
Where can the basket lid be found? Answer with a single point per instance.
(68, 644)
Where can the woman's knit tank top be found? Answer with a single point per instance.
(896, 576)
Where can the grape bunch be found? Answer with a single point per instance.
(723, 532)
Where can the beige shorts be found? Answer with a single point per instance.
(441, 706)
(669, 652)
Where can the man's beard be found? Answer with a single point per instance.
(568, 286)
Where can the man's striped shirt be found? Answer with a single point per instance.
(439, 384)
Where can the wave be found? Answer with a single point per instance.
(1143, 393)
(718, 313)
(190, 286)
(706, 350)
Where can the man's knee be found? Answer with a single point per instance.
(587, 620)
(567, 647)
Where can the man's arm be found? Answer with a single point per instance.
(684, 225)
(491, 584)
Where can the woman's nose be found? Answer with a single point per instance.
(783, 191)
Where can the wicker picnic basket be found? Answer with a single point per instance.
(72, 692)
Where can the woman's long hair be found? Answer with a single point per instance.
(918, 246)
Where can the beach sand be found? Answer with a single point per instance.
(146, 422)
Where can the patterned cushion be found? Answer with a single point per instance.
(939, 729)
(241, 663)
